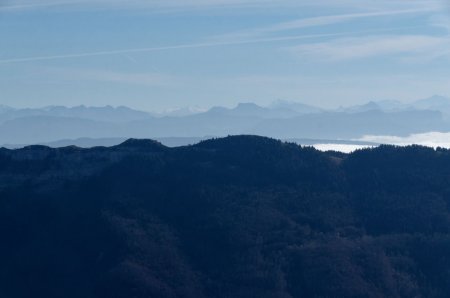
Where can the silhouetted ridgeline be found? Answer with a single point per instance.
(240, 216)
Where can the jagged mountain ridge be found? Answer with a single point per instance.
(280, 120)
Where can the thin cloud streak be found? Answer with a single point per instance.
(202, 4)
(152, 49)
(26, 6)
(319, 21)
(191, 46)
(365, 47)
(153, 4)
(334, 19)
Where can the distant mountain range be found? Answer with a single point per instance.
(282, 119)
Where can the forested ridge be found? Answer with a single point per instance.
(242, 216)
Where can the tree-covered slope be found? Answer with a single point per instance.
(241, 216)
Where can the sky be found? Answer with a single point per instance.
(159, 55)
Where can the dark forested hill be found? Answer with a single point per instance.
(241, 216)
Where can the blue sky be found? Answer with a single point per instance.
(159, 55)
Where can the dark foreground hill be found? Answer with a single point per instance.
(235, 217)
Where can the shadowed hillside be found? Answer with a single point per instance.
(241, 216)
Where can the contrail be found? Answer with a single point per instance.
(193, 46)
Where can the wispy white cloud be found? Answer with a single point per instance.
(201, 4)
(175, 47)
(318, 21)
(27, 5)
(193, 46)
(441, 21)
(344, 49)
(334, 19)
(150, 4)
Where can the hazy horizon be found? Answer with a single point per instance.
(199, 109)
(160, 55)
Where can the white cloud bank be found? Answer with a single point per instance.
(430, 139)
(345, 148)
